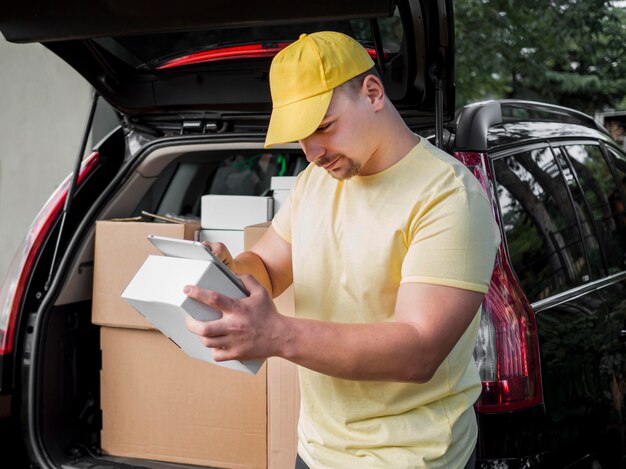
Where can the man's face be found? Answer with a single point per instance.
(341, 143)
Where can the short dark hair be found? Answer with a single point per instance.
(353, 85)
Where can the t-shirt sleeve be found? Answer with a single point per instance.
(282, 220)
(453, 242)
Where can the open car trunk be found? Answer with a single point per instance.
(62, 376)
(64, 371)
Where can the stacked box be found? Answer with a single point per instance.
(157, 402)
(281, 186)
(224, 217)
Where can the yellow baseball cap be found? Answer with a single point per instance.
(302, 78)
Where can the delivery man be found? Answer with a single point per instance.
(389, 243)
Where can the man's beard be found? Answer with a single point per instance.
(350, 167)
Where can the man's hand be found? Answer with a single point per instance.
(221, 252)
(269, 260)
(249, 328)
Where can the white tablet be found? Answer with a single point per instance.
(188, 249)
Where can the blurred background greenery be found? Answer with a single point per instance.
(565, 52)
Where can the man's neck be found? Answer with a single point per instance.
(397, 142)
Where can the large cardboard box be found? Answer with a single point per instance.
(158, 403)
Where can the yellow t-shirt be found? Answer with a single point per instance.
(424, 219)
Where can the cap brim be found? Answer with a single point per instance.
(298, 120)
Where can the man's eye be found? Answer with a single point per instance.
(324, 127)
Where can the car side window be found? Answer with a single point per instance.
(542, 232)
(598, 203)
(617, 200)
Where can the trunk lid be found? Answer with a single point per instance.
(154, 59)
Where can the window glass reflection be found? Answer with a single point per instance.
(597, 201)
(541, 228)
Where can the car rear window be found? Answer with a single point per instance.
(179, 188)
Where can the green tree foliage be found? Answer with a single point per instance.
(566, 52)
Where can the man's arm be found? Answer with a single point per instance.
(428, 321)
(269, 261)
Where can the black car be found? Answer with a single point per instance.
(551, 350)
(190, 86)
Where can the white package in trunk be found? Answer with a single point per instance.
(234, 212)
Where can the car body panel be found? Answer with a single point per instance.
(582, 363)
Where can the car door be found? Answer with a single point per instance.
(597, 175)
(552, 244)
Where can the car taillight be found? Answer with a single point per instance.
(507, 347)
(248, 51)
(12, 289)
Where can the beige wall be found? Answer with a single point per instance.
(44, 105)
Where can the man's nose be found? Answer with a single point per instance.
(312, 149)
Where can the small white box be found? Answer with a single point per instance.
(234, 212)
(282, 182)
(279, 199)
(156, 292)
(233, 239)
(281, 185)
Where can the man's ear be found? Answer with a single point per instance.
(373, 88)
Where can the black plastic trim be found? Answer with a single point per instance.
(473, 122)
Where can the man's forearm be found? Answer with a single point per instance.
(250, 263)
(383, 352)
(410, 348)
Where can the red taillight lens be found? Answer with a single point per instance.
(507, 347)
(12, 289)
(248, 51)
